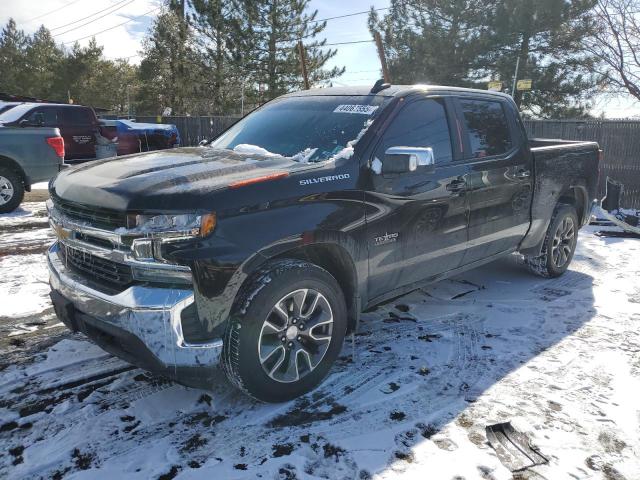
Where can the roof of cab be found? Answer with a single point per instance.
(391, 91)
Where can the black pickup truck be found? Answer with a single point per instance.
(259, 251)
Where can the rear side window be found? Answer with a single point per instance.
(487, 127)
(48, 115)
(77, 116)
(420, 124)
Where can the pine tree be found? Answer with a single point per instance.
(548, 37)
(224, 38)
(13, 45)
(44, 62)
(434, 41)
(77, 74)
(277, 26)
(468, 42)
(168, 65)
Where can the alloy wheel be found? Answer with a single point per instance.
(563, 242)
(6, 190)
(296, 335)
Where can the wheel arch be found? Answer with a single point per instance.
(336, 260)
(15, 166)
(574, 195)
(577, 197)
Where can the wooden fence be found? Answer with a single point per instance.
(620, 140)
(195, 129)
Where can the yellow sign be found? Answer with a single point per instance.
(524, 84)
(495, 86)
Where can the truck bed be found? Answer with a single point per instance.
(560, 167)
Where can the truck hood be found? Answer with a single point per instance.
(167, 180)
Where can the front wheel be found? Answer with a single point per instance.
(286, 331)
(11, 190)
(559, 244)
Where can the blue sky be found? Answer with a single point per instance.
(360, 60)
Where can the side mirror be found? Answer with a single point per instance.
(203, 143)
(24, 123)
(407, 159)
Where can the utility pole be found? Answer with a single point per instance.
(242, 99)
(383, 58)
(515, 79)
(303, 65)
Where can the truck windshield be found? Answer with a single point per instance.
(310, 128)
(14, 114)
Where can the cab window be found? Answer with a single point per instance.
(422, 123)
(487, 127)
(48, 115)
(77, 116)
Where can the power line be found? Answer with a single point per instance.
(345, 43)
(88, 16)
(115, 26)
(362, 71)
(95, 19)
(349, 15)
(52, 11)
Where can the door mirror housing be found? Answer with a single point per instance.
(407, 159)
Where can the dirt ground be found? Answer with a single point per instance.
(410, 397)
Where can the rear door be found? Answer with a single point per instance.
(416, 221)
(499, 180)
(78, 129)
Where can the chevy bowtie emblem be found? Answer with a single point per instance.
(61, 232)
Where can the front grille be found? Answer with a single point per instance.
(94, 216)
(100, 270)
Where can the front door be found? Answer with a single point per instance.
(499, 180)
(416, 221)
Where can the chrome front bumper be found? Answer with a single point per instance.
(150, 314)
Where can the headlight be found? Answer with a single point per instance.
(167, 226)
(158, 229)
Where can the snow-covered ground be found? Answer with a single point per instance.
(410, 398)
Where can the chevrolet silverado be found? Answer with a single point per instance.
(259, 251)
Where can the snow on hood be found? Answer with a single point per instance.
(246, 149)
(305, 155)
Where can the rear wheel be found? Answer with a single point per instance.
(286, 331)
(559, 244)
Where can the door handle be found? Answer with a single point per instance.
(456, 185)
(522, 174)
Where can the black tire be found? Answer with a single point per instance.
(9, 177)
(255, 306)
(548, 264)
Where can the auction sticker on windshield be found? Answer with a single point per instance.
(360, 109)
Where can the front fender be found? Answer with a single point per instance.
(242, 243)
